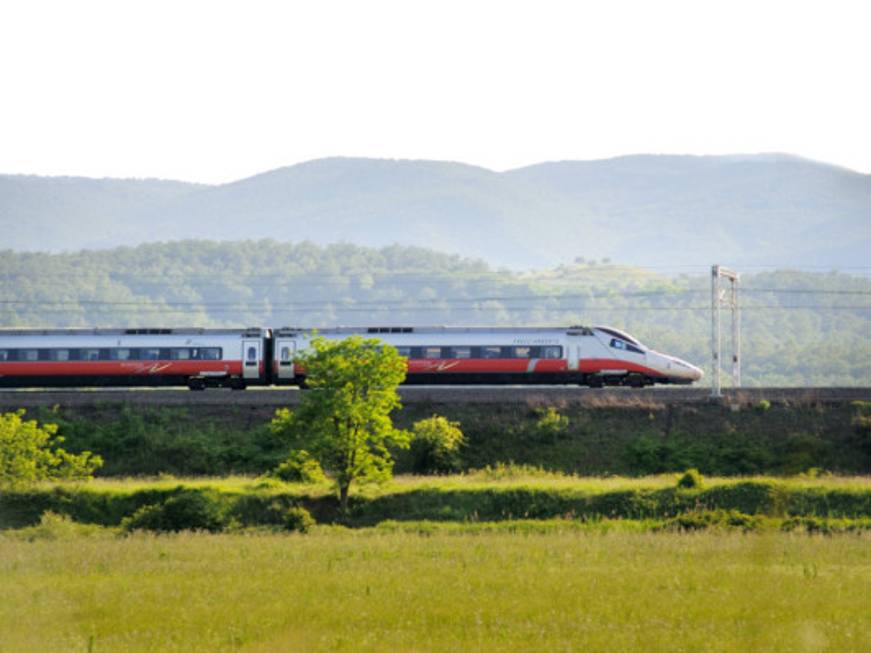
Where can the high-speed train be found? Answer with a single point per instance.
(237, 358)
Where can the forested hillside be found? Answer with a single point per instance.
(799, 328)
(651, 210)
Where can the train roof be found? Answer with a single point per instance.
(136, 331)
(375, 330)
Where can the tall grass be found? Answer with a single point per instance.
(382, 589)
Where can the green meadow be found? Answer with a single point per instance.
(504, 559)
(563, 588)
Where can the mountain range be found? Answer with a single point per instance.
(655, 210)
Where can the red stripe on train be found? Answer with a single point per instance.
(594, 365)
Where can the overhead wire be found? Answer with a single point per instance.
(409, 302)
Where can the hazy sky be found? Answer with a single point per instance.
(215, 91)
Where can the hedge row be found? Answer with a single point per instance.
(260, 508)
(495, 504)
(174, 509)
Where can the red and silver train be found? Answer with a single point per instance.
(236, 358)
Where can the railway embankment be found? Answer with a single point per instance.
(600, 433)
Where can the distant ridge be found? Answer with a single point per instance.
(760, 209)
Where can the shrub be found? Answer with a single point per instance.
(763, 405)
(300, 467)
(53, 526)
(826, 526)
(652, 455)
(29, 453)
(690, 480)
(281, 511)
(187, 510)
(435, 446)
(297, 518)
(550, 424)
(803, 451)
(705, 519)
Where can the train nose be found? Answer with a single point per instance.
(694, 373)
(686, 372)
(676, 369)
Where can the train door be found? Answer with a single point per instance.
(574, 354)
(284, 352)
(251, 359)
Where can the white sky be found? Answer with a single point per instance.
(214, 91)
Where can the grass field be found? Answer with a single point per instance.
(387, 589)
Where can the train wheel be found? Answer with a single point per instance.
(238, 384)
(635, 381)
(595, 381)
(197, 384)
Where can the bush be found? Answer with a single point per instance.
(298, 519)
(826, 526)
(803, 451)
(187, 510)
(550, 424)
(435, 446)
(137, 441)
(278, 511)
(652, 455)
(705, 519)
(53, 526)
(690, 480)
(300, 467)
(29, 453)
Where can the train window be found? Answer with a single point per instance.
(521, 352)
(404, 351)
(461, 352)
(491, 352)
(119, 354)
(59, 354)
(285, 354)
(4, 355)
(210, 353)
(251, 356)
(179, 354)
(149, 354)
(551, 352)
(625, 346)
(28, 354)
(432, 352)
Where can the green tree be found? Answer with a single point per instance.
(29, 453)
(344, 419)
